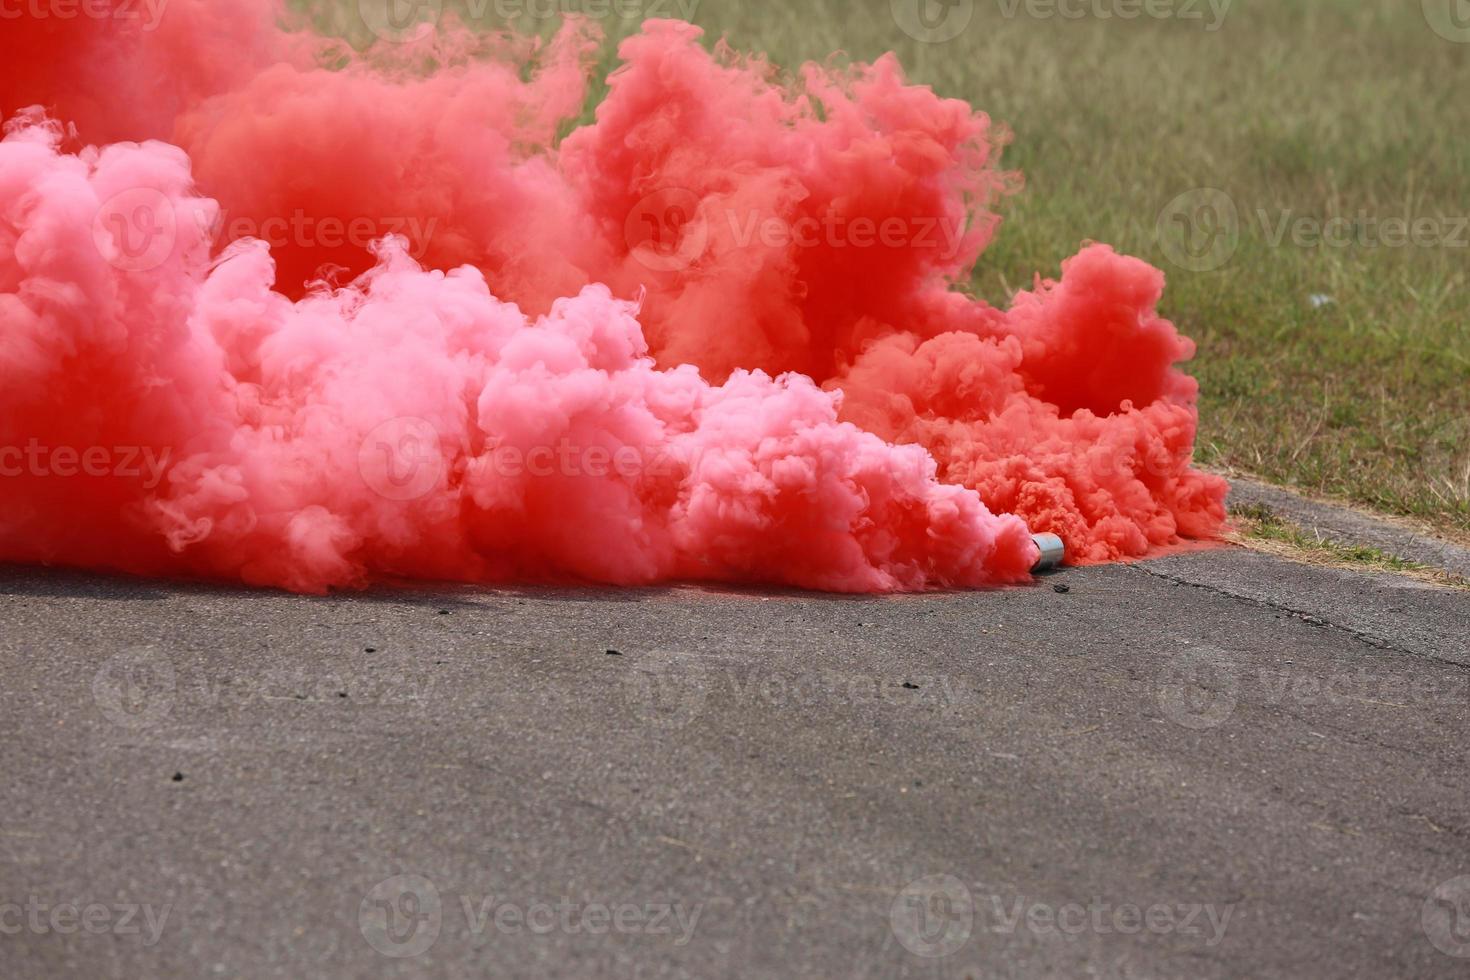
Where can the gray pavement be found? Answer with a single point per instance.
(1212, 765)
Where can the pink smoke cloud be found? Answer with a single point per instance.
(713, 335)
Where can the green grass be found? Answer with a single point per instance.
(1264, 524)
(1257, 522)
(1307, 108)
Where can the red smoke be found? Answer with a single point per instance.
(416, 423)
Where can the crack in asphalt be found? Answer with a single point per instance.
(1311, 619)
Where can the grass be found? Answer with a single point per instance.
(1261, 527)
(1314, 109)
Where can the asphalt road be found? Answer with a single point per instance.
(1212, 765)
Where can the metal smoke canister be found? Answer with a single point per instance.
(1053, 552)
